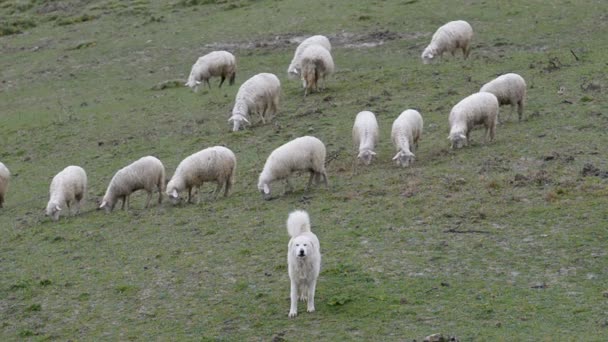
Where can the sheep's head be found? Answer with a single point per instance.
(366, 156)
(237, 120)
(458, 140)
(264, 190)
(293, 73)
(404, 158)
(53, 210)
(173, 194)
(107, 205)
(427, 56)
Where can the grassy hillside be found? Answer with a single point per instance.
(501, 241)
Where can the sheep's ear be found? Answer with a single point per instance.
(57, 208)
(462, 136)
(245, 119)
(372, 153)
(430, 55)
(266, 189)
(396, 156)
(197, 82)
(231, 119)
(449, 137)
(174, 193)
(103, 204)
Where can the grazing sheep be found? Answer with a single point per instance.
(295, 67)
(145, 173)
(214, 64)
(317, 64)
(259, 94)
(211, 164)
(449, 37)
(405, 134)
(477, 109)
(301, 154)
(508, 89)
(5, 175)
(67, 187)
(365, 136)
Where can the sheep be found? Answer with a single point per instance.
(211, 164)
(405, 134)
(476, 109)
(67, 187)
(145, 173)
(5, 175)
(449, 37)
(508, 89)
(259, 94)
(301, 154)
(317, 64)
(295, 67)
(214, 64)
(365, 136)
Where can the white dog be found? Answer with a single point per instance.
(303, 260)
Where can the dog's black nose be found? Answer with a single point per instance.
(301, 253)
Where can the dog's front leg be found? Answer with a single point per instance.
(293, 311)
(311, 296)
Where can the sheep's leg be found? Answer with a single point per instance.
(222, 81)
(198, 194)
(227, 188)
(189, 195)
(148, 199)
(124, 201)
(466, 50)
(208, 84)
(520, 109)
(312, 175)
(231, 80)
(324, 174)
(492, 131)
(288, 186)
(218, 188)
(160, 193)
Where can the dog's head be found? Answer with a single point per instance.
(301, 246)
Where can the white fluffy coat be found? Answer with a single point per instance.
(301, 154)
(508, 89)
(449, 38)
(5, 175)
(476, 109)
(365, 136)
(214, 64)
(303, 261)
(147, 173)
(317, 64)
(216, 163)
(260, 95)
(295, 67)
(405, 134)
(68, 187)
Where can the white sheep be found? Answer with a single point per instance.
(508, 89)
(301, 154)
(449, 37)
(214, 64)
(260, 95)
(294, 69)
(476, 109)
(68, 187)
(211, 164)
(365, 136)
(146, 173)
(405, 134)
(5, 175)
(317, 64)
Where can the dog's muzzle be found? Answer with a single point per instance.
(301, 253)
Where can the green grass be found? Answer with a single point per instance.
(502, 241)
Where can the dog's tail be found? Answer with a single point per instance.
(298, 223)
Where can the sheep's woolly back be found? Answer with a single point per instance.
(145, 173)
(317, 64)
(449, 37)
(406, 130)
(213, 64)
(304, 153)
(365, 131)
(298, 222)
(216, 163)
(5, 175)
(508, 88)
(295, 66)
(476, 109)
(259, 94)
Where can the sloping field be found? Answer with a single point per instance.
(497, 241)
